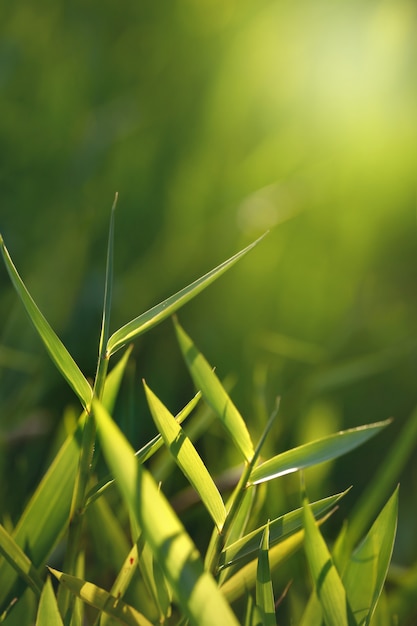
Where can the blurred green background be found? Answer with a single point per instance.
(215, 121)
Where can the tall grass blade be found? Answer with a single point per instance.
(101, 599)
(367, 569)
(161, 311)
(48, 613)
(382, 484)
(108, 285)
(214, 393)
(327, 583)
(264, 591)
(187, 458)
(195, 590)
(315, 452)
(56, 349)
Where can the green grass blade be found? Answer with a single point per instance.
(161, 311)
(101, 599)
(20, 562)
(48, 613)
(315, 452)
(56, 349)
(195, 590)
(327, 583)
(280, 528)
(47, 512)
(264, 590)
(187, 458)
(108, 285)
(214, 393)
(365, 574)
(382, 484)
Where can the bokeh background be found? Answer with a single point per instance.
(215, 121)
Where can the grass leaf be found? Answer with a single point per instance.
(315, 452)
(214, 393)
(101, 599)
(195, 590)
(327, 583)
(48, 613)
(187, 458)
(264, 591)
(161, 311)
(56, 349)
(367, 569)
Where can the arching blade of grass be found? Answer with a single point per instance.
(187, 458)
(327, 582)
(367, 569)
(161, 311)
(195, 590)
(48, 613)
(315, 452)
(56, 349)
(214, 393)
(20, 562)
(264, 590)
(246, 548)
(101, 599)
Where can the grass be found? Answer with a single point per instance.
(158, 573)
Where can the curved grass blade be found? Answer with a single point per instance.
(315, 452)
(279, 529)
(56, 349)
(367, 569)
(187, 458)
(48, 613)
(20, 562)
(214, 393)
(101, 599)
(195, 589)
(264, 591)
(327, 583)
(161, 311)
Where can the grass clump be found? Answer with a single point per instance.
(159, 574)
